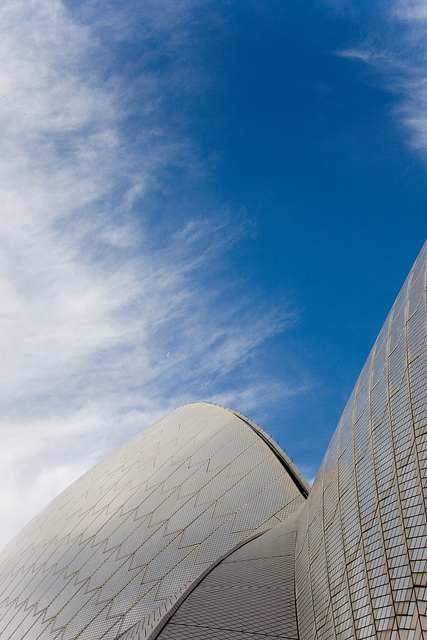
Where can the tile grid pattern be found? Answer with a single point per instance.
(361, 566)
(115, 547)
(250, 595)
(144, 630)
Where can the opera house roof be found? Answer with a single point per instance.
(114, 548)
(201, 528)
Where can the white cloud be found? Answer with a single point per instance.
(356, 54)
(411, 10)
(89, 309)
(397, 50)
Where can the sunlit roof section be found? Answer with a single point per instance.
(116, 546)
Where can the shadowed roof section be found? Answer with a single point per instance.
(249, 595)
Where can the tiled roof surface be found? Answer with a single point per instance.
(114, 548)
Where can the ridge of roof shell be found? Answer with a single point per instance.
(116, 546)
(297, 476)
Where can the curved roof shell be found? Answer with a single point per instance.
(361, 553)
(359, 565)
(120, 544)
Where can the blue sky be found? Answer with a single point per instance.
(201, 201)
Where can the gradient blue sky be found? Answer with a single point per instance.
(201, 201)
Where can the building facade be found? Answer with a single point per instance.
(201, 528)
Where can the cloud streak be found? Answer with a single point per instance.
(103, 326)
(397, 50)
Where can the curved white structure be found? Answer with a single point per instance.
(361, 569)
(118, 547)
(353, 559)
(201, 528)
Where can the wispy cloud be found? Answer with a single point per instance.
(411, 10)
(397, 49)
(360, 54)
(103, 327)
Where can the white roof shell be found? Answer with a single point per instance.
(119, 545)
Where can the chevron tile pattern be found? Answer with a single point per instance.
(113, 549)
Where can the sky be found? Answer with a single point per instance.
(200, 201)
